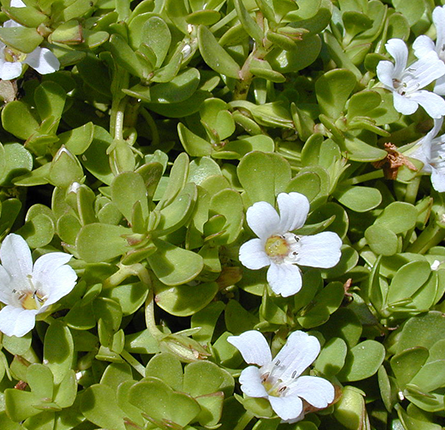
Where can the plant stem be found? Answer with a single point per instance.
(150, 318)
(244, 420)
(133, 362)
(431, 236)
(411, 190)
(376, 174)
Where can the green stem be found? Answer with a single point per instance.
(411, 190)
(245, 419)
(133, 362)
(121, 80)
(123, 9)
(431, 236)
(115, 279)
(153, 127)
(376, 174)
(119, 116)
(150, 318)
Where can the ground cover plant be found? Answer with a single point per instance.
(222, 214)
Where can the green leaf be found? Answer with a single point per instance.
(162, 404)
(357, 198)
(77, 140)
(173, 265)
(216, 57)
(156, 34)
(125, 56)
(382, 240)
(65, 169)
(408, 279)
(332, 357)
(362, 361)
(399, 217)
(167, 367)
(99, 405)
(58, 350)
(333, 90)
(101, 242)
(23, 39)
(127, 189)
(251, 27)
(263, 176)
(18, 120)
(407, 364)
(26, 16)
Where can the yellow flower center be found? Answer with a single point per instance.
(32, 300)
(276, 246)
(12, 55)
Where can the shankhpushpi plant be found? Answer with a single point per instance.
(222, 214)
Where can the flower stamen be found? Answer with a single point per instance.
(277, 247)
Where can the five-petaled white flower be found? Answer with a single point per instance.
(430, 150)
(283, 250)
(406, 83)
(11, 61)
(279, 380)
(423, 45)
(27, 289)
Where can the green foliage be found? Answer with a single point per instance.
(166, 121)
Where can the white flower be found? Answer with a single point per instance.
(424, 46)
(430, 150)
(406, 82)
(279, 380)
(282, 250)
(27, 289)
(11, 61)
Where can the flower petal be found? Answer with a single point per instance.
(10, 70)
(17, 3)
(53, 276)
(428, 141)
(423, 72)
(438, 180)
(284, 279)
(16, 256)
(439, 22)
(404, 104)
(263, 219)
(318, 392)
(251, 385)
(43, 61)
(385, 73)
(423, 45)
(294, 208)
(296, 355)
(5, 286)
(10, 23)
(398, 50)
(439, 87)
(17, 321)
(288, 408)
(253, 347)
(320, 250)
(433, 104)
(252, 255)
